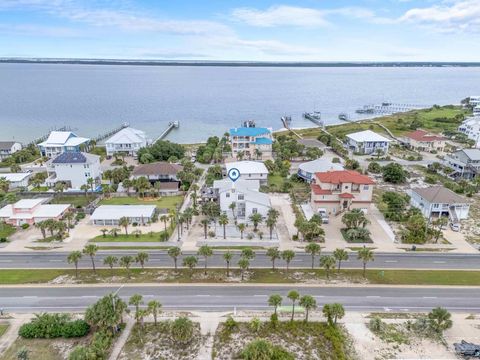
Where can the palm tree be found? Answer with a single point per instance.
(223, 220)
(258, 153)
(248, 253)
(174, 252)
(240, 155)
(91, 250)
(340, 255)
(275, 300)
(333, 312)
(293, 295)
(124, 222)
(194, 188)
(288, 256)
(154, 307)
(164, 218)
(136, 300)
(205, 223)
(42, 225)
(114, 232)
(232, 207)
(190, 262)
(328, 263)
(137, 233)
(73, 258)
(142, 258)
(440, 319)
(256, 219)
(313, 249)
(241, 227)
(365, 254)
(243, 264)
(90, 183)
(308, 303)
(104, 232)
(205, 251)
(227, 256)
(4, 184)
(274, 254)
(111, 261)
(126, 261)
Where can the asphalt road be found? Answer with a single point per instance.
(161, 259)
(220, 298)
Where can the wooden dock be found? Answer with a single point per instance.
(112, 132)
(171, 125)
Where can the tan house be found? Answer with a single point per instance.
(334, 192)
(421, 140)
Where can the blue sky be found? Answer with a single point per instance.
(261, 30)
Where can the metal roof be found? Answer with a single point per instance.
(248, 167)
(115, 212)
(367, 135)
(249, 131)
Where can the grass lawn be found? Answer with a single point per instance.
(133, 247)
(44, 349)
(166, 202)
(40, 188)
(75, 200)
(148, 237)
(312, 340)
(6, 230)
(390, 277)
(154, 342)
(275, 180)
(3, 329)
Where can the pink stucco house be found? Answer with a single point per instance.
(31, 211)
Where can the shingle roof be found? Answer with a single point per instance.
(343, 176)
(75, 158)
(439, 195)
(367, 135)
(249, 131)
(157, 168)
(421, 135)
(6, 145)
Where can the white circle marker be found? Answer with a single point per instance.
(233, 174)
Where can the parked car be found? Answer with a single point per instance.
(324, 215)
(455, 226)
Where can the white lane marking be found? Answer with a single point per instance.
(30, 297)
(429, 297)
(5, 260)
(439, 262)
(55, 260)
(391, 261)
(260, 295)
(203, 295)
(373, 296)
(90, 296)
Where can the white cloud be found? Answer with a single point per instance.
(40, 30)
(283, 15)
(456, 16)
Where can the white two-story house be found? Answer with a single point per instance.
(75, 169)
(250, 170)
(246, 196)
(465, 163)
(59, 142)
(437, 201)
(127, 141)
(7, 148)
(334, 192)
(367, 142)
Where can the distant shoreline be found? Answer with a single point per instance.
(235, 63)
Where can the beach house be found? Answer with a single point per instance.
(161, 172)
(251, 142)
(16, 180)
(110, 215)
(465, 163)
(127, 141)
(59, 142)
(437, 201)
(32, 211)
(250, 170)
(421, 140)
(334, 192)
(367, 142)
(74, 169)
(307, 170)
(244, 194)
(8, 148)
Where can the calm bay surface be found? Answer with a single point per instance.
(92, 99)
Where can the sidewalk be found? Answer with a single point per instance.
(120, 343)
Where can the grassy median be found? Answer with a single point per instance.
(253, 276)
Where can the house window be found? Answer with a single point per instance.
(365, 187)
(227, 195)
(240, 197)
(254, 210)
(435, 206)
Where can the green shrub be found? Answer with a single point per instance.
(3, 239)
(50, 326)
(230, 323)
(25, 226)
